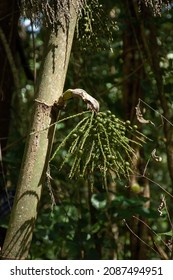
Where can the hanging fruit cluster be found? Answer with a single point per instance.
(100, 143)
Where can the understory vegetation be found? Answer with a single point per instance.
(107, 191)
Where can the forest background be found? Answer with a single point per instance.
(122, 55)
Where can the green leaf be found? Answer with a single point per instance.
(99, 201)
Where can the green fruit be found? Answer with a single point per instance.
(136, 188)
(103, 114)
(94, 129)
(108, 112)
(80, 132)
(135, 127)
(74, 135)
(80, 152)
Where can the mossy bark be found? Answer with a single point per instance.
(50, 88)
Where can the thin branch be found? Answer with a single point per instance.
(162, 116)
(139, 237)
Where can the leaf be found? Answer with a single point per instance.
(155, 157)
(139, 115)
(99, 201)
(169, 233)
(92, 103)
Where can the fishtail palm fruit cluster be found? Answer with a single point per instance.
(100, 143)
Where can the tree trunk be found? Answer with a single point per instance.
(154, 57)
(134, 73)
(34, 166)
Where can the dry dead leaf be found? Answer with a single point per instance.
(139, 115)
(155, 157)
(92, 103)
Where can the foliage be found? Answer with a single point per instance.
(156, 6)
(78, 218)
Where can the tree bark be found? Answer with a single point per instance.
(133, 68)
(32, 173)
(154, 58)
